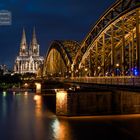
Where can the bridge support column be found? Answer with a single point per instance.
(96, 60)
(123, 49)
(74, 103)
(72, 70)
(38, 88)
(62, 103)
(138, 41)
(112, 51)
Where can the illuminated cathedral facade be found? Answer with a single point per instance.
(29, 59)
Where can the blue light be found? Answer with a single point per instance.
(135, 72)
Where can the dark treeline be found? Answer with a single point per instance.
(9, 81)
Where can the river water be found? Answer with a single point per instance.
(26, 116)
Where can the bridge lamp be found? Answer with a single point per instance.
(117, 65)
(25, 85)
(106, 74)
(86, 69)
(99, 67)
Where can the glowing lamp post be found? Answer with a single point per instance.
(117, 65)
(86, 69)
(117, 69)
(38, 87)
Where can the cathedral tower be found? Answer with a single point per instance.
(34, 46)
(23, 45)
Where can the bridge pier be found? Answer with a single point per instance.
(38, 88)
(71, 103)
(75, 103)
(62, 102)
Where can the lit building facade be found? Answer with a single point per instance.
(29, 59)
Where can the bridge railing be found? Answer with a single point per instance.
(129, 80)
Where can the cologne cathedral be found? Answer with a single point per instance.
(29, 59)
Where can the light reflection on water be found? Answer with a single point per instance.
(61, 130)
(25, 116)
(4, 104)
(38, 105)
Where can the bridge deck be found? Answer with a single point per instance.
(129, 80)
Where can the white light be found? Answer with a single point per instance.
(26, 93)
(38, 87)
(37, 97)
(99, 67)
(86, 69)
(25, 84)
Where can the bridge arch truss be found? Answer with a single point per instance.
(59, 58)
(112, 48)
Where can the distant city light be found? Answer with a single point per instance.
(25, 84)
(26, 93)
(14, 93)
(4, 94)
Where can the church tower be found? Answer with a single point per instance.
(34, 46)
(23, 45)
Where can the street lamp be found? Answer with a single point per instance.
(117, 65)
(86, 69)
(99, 67)
(117, 69)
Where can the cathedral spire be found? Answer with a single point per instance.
(34, 40)
(23, 45)
(23, 40)
(34, 47)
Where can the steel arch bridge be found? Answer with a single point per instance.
(59, 58)
(113, 45)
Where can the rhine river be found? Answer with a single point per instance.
(26, 116)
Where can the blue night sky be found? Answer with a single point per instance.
(53, 20)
